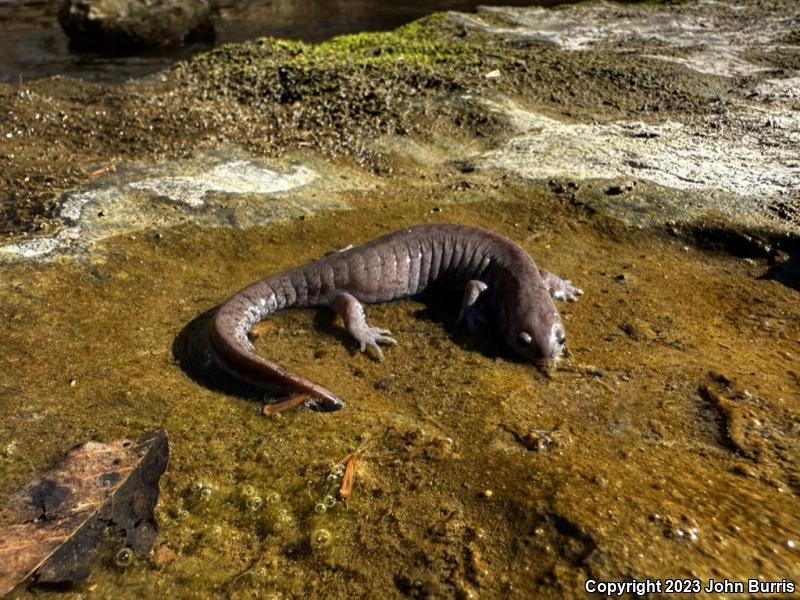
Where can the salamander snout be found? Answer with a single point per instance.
(541, 341)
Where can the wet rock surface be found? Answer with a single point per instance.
(126, 25)
(225, 188)
(655, 175)
(614, 108)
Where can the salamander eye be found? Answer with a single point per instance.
(524, 339)
(558, 333)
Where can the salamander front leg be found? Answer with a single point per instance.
(355, 323)
(469, 314)
(560, 289)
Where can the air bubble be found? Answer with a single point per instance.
(214, 531)
(321, 538)
(320, 507)
(253, 503)
(124, 557)
(248, 490)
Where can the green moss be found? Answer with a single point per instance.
(422, 41)
(337, 95)
(426, 41)
(664, 2)
(366, 83)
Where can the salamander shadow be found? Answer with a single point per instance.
(192, 351)
(485, 340)
(788, 272)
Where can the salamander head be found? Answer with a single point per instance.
(534, 329)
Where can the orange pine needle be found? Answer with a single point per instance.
(274, 409)
(102, 171)
(348, 478)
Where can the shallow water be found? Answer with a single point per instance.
(667, 446)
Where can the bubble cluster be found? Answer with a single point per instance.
(284, 516)
(201, 489)
(332, 483)
(250, 499)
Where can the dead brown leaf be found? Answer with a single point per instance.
(54, 527)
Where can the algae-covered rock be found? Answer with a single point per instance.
(129, 24)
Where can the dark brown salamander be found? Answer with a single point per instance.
(399, 265)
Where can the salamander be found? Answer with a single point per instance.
(496, 275)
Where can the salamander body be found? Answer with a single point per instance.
(496, 275)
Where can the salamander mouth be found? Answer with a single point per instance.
(563, 353)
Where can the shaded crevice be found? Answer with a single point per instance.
(786, 271)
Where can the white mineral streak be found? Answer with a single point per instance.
(780, 89)
(237, 177)
(694, 38)
(669, 153)
(93, 214)
(748, 150)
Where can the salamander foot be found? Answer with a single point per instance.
(355, 322)
(560, 289)
(370, 337)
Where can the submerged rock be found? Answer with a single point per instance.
(131, 24)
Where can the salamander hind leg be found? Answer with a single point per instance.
(560, 289)
(355, 323)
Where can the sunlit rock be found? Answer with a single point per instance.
(130, 24)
